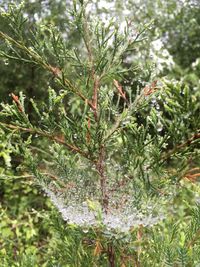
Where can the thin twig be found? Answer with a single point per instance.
(193, 240)
(95, 96)
(121, 117)
(187, 143)
(54, 70)
(70, 147)
(120, 90)
(31, 176)
(95, 78)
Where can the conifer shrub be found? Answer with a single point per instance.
(113, 157)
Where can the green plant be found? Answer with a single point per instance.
(104, 153)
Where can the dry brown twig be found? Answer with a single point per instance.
(120, 90)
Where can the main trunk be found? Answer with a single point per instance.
(111, 255)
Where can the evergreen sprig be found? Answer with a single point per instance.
(106, 146)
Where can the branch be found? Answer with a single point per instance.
(120, 90)
(95, 96)
(192, 174)
(128, 109)
(54, 70)
(31, 176)
(70, 147)
(180, 146)
(194, 239)
(100, 167)
(96, 81)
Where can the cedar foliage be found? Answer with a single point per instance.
(117, 147)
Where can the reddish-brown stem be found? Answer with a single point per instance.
(139, 237)
(120, 90)
(192, 174)
(180, 146)
(94, 106)
(17, 102)
(95, 96)
(148, 90)
(88, 135)
(103, 179)
(70, 147)
(96, 81)
(193, 240)
(54, 70)
(58, 74)
(111, 255)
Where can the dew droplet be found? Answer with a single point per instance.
(157, 106)
(153, 100)
(6, 62)
(61, 91)
(159, 126)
